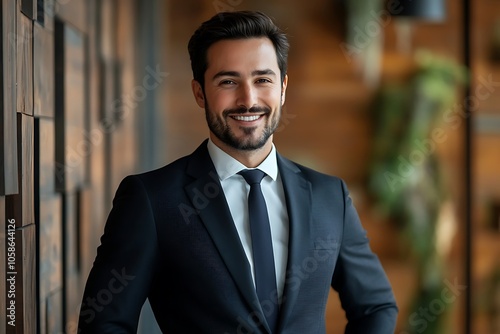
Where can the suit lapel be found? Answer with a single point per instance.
(298, 202)
(207, 196)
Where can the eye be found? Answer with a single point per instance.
(227, 82)
(263, 80)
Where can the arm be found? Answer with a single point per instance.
(365, 292)
(119, 281)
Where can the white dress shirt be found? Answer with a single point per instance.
(236, 192)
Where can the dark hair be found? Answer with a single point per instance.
(234, 25)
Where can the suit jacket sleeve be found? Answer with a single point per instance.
(365, 292)
(119, 281)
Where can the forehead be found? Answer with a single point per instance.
(242, 55)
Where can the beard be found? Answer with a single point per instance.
(248, 142)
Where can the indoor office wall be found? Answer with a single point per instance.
(81, 81)
(485, 107)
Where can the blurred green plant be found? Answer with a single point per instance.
(406, 176)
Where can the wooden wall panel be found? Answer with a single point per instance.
(24, 42)
(130, 92)
(29, 8)
(94, 206)
(49, 12)
(72, 147)
(23, 201)
(78, 145)
(28, 262)
(3, 253)
(72, 293)
(108, 88)
(49, 225)
(485, 105)
(107, 26)
(8, 130)
(20, 206)
(26, 163)
(43, 72)
(109, 71)
(74, 12)
(92, 219)
(13, 296)
(42, 311)
(109, 66)
(50, 256)
(22, 298)
(486, 68)
(54, 311)
(59, 102)
(46, 147)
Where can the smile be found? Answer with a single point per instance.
(247, 118)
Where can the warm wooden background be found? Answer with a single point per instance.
(77, 117)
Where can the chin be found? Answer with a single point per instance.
(250, 144)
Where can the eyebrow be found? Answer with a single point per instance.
(266, 71)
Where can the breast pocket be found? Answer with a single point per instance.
(326, 249)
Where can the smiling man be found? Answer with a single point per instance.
(235, 238)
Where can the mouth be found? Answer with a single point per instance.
(246, 118)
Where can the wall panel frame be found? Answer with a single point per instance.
(8, 130)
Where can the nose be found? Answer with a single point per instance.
(247, 96)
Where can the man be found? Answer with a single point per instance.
(218, 252)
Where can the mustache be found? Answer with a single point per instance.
(243, 110)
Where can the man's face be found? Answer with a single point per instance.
(243, 93)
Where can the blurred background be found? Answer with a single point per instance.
(401, 100)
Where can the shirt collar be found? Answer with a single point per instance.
(226, 166)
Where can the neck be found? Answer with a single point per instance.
(249, 158)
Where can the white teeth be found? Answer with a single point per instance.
(246, 118)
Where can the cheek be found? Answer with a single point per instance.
(273, 98)
(221, 100)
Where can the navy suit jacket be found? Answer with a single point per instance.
(170, 238)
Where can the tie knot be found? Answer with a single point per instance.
(252, 176)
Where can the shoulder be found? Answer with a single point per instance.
(180, 171)
(315, 177)
(168, 171)
(167, 179)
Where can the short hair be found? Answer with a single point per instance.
(235, 25)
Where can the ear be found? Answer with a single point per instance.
(283, 89)
(198, 93)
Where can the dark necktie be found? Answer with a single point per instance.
(262, 247)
